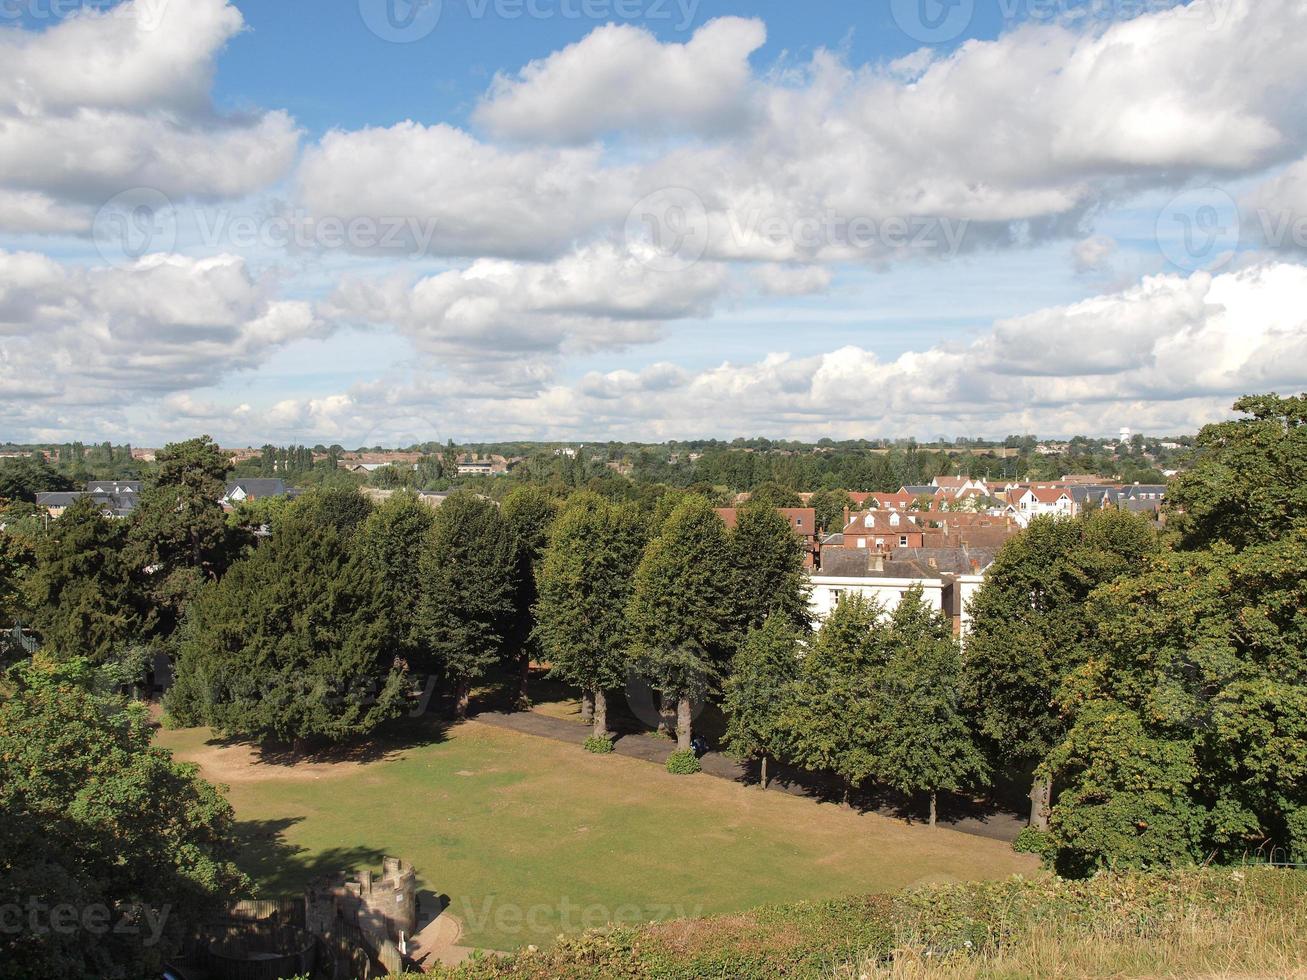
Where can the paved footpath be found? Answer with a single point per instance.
(994, 824)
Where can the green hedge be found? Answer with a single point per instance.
(598, 745)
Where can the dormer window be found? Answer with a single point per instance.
(894, 520)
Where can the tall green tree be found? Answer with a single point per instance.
(757, 692)
(529, 511)
(830, 506)
(833, 719)
(83, 594)
(1248, 481)
(393, 540)
(23, 478)
(585, 584)
(1190, 729)
(767, 562)
(681, 613)
(342, 508)
(1031, 629)
(178, 537)
(93, 816)
(771, 494)
(469, 580)
(292, 644)
(926, 741)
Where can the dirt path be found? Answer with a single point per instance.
(954, 814)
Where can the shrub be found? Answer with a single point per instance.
(1032, 841)
(598, 745)
(683, 763)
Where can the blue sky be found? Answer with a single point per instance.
(366, 221)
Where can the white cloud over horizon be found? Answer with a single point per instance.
(1167, 355)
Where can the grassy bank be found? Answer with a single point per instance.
(1214, 923)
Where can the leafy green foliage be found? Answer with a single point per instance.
(92, 815)
(926, 742)
(178, 536)
(1190, 732)
(529, 511)
(683, 762)
(585, 584)
(767, 561)
(342, 508)
(681, 608)
(833, 719)
(830, 506)
(1031, 628)
(1034, 841)
(393, 539)
(291, 644)
(774, 495)
(756, 693)
(598, 745)
(469, 580)
(1248, 482)
(83, 593)
(23, 478)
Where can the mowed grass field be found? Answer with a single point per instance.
(529, 837)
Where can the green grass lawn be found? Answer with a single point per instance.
(529, 837)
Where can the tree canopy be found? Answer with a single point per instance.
(292, 643)
(469, 582)
(94, 817)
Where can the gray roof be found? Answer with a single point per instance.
(120, 505)
(114, 486)
(921, 491)
(258, 487)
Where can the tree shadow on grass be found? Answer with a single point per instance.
(279, 868)
(388, 741)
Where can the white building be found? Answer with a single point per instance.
(886, 592)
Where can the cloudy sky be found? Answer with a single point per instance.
(385, 221)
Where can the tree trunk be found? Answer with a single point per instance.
(1041, 796)
(763, 778)
(683, 724)
(587, 706)
(523, 682)
(847, 790)
(462, 695)
(932, 807)
(600, 713)
(666, 715)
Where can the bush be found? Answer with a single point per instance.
(1032, 841)
(683, 763)
(598, 745)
